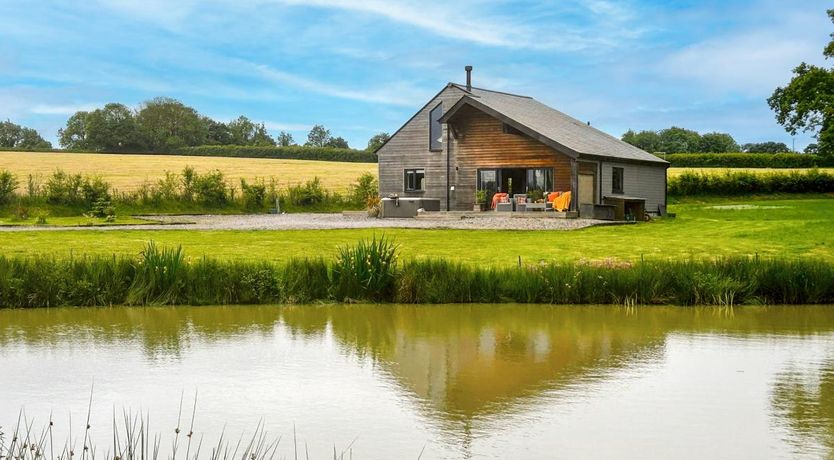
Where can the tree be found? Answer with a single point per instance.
(319, 136)
(646, 140)
(812, 149)
(285, 139)
(679, 140)
(244, 132)
(14, 136)
(168, 124)
(807, 102)
(217, 132)
(337, 142)
(765, 147)
(112, 128)
(377, 140)
(718, 143)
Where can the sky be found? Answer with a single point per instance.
(365, 66)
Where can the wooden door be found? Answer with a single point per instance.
(587, 189)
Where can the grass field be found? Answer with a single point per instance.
(781, 227)
(128, 172)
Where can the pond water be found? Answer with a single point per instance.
(484, 381)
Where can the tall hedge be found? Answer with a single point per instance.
(730, 183)
(294, 152)
(746, 160)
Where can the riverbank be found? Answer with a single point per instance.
(371, 271)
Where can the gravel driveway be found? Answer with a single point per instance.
(333, 221)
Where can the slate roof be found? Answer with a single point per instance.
(550, 126)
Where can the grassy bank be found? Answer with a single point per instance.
(785, 228)
(370, 271)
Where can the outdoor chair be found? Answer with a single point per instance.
(520, 200)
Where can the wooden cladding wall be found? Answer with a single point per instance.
(479, 142)
(409, 148)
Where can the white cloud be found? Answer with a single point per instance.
(62, 109)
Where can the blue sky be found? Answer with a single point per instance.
(365, 66)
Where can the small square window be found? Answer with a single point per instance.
(616, 180)
(414, 180)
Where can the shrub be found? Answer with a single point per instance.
(95, 189)
(63, 188)
(253, 194)
(366, 271)
(365, 189)
(294, 152)
(8, 184)
(210, 188)
(309, 194)
(730, 183)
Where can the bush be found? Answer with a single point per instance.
(210, 188)
(63, 188)
(254, 194)
(8, 184)
(310, 193)
(294, 152)
(729, 183)
(746, 160)
(365, 190)
(366, 271)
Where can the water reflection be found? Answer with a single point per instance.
(464, 367)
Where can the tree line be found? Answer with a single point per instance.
(162, 125)
(681, 140)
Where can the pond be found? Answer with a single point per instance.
(473, 381)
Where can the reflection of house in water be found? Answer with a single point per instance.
(468, 361)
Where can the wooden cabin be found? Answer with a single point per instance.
(466, 138)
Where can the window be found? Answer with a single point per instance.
(435, 129)
(617, 180)
(540, 179)
(414, 180)
(507, 129)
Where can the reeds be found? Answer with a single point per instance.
(371, 272)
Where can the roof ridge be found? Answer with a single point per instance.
(463, 87)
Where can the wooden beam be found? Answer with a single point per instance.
(574, 184)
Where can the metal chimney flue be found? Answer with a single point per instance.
(468, 78)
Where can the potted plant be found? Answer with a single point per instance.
(480, 200)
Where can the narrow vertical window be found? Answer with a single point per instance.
(435, 129)
(413, 180)
(616, 180)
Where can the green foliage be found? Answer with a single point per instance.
(733, 183)
(168, 124)
(284, 139)
(480, 196)
(112, 128)
(679, 140)
(210, 188)
(13, 136)
(807, 102)
(746, 160)
(310, 193)
(375, 142)
(766, 147)
(243, 132)
(365, 190)
(63, 188)
(254, 194)
(366, 271)
(369, 271)
(319, 136)
(294, 152)
(8, 185)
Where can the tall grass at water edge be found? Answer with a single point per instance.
(370, 271)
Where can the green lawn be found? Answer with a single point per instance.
(719, 227)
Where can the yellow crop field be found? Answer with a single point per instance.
(127, 172)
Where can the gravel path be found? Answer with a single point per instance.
(333, 221)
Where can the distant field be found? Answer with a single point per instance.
(128, 172)
(674, 172)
